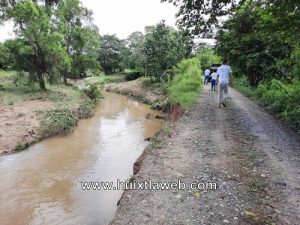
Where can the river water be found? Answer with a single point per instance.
(42, 185)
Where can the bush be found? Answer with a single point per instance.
(133, 75)
(93, 92)
(243, 85)
(185, 86)
(281, 99)
(86, 109)
(58, 121)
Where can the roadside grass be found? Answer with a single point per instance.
(167, 129)
(243, 86)
(187, 83)
(278, 98)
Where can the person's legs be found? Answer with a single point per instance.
(220, 97)
(213, 85)
(225, 91)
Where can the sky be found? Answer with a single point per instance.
(120, 17)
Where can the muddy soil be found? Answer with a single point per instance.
(19, 123)
(254, 160)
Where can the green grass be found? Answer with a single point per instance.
(104, 79)
(15, 87)
(280, 99)
(186, 85)
(243, 86)
(57, 121)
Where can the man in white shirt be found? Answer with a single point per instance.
(206, 76)
(213, 81)
(223, 76)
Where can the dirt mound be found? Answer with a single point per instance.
(19, 124)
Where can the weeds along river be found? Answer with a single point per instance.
(42, 185)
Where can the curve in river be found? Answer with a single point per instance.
(42, 185)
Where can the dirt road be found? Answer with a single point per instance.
(253, 158)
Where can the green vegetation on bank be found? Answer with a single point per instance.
(282, 100)
(98, 80)
(185, 86)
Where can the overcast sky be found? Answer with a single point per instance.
(120, 17)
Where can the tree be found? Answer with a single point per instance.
(81, 38)
(164, 47)
(207, 57)
(135, 44)
(111, 53)
(38, 47)
(201, 17)
(250, 50)
(6, 58)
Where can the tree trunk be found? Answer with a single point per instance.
(65, 79)
(41, 82)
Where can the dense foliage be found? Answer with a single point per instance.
(252, 51)
(185, 86)
(281, 99)
(207, 57)
(261, 40)
(52, 40)
(164, 47)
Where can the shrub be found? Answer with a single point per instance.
(185, 86)
(93, 92)
(86, 109)
(58, 121)
(133, 75)
(281, 99)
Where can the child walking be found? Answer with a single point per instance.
(213, 81)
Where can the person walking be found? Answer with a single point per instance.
(206, 76)
(223, 75)
(213, 81)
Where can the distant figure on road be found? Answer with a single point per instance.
(223, 75)
(213, 81)
(206, 76)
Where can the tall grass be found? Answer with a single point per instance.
(281, 99)
(185, 86)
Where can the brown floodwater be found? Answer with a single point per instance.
(42, 185)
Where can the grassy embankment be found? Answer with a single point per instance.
(187, 83)
(282, 100)
(67, 104)
(99, 80)
(181, 89)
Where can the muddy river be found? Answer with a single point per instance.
(42, 185)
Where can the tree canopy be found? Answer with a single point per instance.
(53, 38)
(164, 47)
